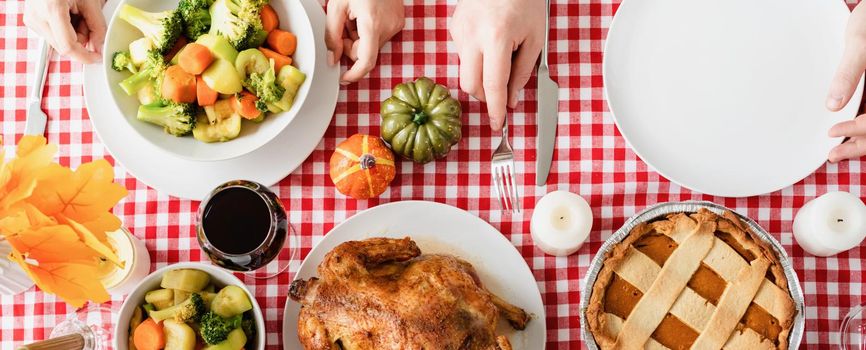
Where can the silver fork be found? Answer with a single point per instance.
(503, 174)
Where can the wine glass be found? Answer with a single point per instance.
(852, 333)
(92, 323)
(242, 226)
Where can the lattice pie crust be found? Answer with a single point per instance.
(697, 280)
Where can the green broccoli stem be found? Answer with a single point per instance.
(135, 82)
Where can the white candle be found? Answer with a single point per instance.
(136, 263)
(560, 223)
(831, 224)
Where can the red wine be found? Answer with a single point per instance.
(242, 226)
(236, 220)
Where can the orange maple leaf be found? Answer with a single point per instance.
(74, 283)
(34, 160)
(53, 244)
(23, 217)
(93, 242)
(83, 196)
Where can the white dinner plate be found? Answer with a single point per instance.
(726, 97)
(191, 179)
(439, 228)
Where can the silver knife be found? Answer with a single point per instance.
(548, 113)
(36, 118)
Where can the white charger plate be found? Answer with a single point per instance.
(253, 135)
(189, 179)
(439, 228)
(726, 97)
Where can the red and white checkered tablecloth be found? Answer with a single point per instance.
(591, 159)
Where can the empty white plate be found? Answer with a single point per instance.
(726, 97)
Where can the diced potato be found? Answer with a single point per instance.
(235, 340)
(222, 76)
(180, 296)
(220, 131)
(160, 298)
(185, 279)
(230, 301)
(207, 298)
(138, 50)
(178, 335)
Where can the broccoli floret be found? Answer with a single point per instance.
(121, 61)
(265, 87)
(238, 21)
(163, 28)
(196, 17)
(214, 328)
(150, 71)
(177, 119)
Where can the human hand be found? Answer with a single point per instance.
(358, 29)
(843, 86)
(487, 33)
(72, 27)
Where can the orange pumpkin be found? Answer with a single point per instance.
(362, 166)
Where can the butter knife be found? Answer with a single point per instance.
(36, 118)
(548, 113)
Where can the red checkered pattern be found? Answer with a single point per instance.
(591, 159)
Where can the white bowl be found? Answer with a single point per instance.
(293, 18)
(219, 278)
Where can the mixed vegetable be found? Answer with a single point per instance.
(187, 314)
(205, 66)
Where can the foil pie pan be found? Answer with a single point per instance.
(662, 209)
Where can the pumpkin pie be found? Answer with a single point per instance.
(691, 280)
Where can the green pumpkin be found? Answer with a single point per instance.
(421, 121)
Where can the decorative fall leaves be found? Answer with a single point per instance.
(56, 220)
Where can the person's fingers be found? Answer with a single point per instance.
(854, 148)
(335, 22)
(41, 28)
(853, 62)
(855, 127)
(65, 38)
(352, 30)
(365, 51)
(91, 12)
(350, 49)
(495, 74)
(522, 69)
(470, 72)
(82, 32)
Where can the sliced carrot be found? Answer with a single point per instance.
(178, 85)
(279, 60)
(179, 44)
(204, 94)
(270, 20)
(148, 336)
(282, 42)
(244, 103)
(195, 58)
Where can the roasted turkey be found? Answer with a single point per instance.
(381, 293)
